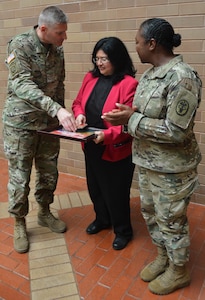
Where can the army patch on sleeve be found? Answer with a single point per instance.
(182, 107)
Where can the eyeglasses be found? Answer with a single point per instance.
(103, 60)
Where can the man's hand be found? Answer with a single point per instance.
(119, 116)
(66, 119)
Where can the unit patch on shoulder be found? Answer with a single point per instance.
(182, 107)
(10, 58)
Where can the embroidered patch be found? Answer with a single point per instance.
(182, 107)
(13, 69)
(10, 58)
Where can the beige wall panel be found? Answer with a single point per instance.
(88, 22)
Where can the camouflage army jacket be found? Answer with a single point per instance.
(166, 98)
(35, 82)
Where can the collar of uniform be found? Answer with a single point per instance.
(161, 71)
(36, 41)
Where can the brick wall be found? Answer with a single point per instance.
(88, 22)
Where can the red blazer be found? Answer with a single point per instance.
(118, 144)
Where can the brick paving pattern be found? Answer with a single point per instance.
(76, 266)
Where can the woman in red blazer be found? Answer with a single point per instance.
(108, 159)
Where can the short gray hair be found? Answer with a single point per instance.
(52, 15)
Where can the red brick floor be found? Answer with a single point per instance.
(101, 272)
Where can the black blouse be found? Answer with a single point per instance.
(95, 103)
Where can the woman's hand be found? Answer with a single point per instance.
(119, 116)
(80, 120)
(99, 137)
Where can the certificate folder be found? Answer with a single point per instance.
(82, 135)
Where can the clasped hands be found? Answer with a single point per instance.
(119, 115)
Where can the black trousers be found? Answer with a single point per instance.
(109, 188)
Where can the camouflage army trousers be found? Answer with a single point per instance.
(164, 202)
(22, 148)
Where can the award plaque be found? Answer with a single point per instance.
(82, 134)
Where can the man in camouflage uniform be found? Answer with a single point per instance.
(165, 150)
(35, 100)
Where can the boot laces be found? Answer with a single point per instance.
(21, 230)
(51, 217)
(167, 276)
(158, 262)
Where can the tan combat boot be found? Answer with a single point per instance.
(21, 243)
(175, 277)
(47, 219)
(156, 267)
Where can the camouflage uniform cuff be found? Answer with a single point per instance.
(54, 109)
(133, 123)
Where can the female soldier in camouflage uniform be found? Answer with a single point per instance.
(165, 150)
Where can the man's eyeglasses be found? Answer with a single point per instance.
(103, 60)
